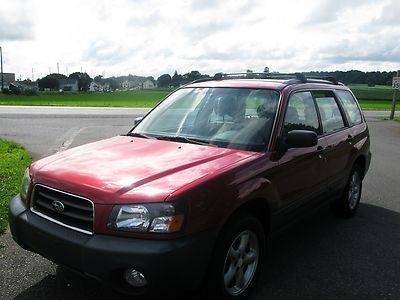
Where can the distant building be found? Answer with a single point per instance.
(127, 85)
(26, 85)
(148, 84)
(137, 83)
(95, 87)
(68, 85)
(8, 78)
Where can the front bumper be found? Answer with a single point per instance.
(174, 263)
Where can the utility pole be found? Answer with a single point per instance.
(395, 87)
(1, 59)
(58, 68)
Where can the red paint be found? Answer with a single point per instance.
(125, 169)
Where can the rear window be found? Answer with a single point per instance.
(331, 117)
(350, 107)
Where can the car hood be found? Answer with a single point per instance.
(125, 169)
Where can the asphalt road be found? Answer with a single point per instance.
(321, 258)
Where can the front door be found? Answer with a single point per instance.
(302, 174)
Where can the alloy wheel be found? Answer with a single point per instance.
(241, 262)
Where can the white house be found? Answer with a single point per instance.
(95, 87)
(148, 84)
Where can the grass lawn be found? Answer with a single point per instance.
(371, 98)
(376, 105)
(137, 98)
(387, 118)
(13, 162)
(378, 97)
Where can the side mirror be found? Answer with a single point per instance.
(301, 139)
(137, 121)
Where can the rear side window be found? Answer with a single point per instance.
(350, 107)
(301, 113)
(331, 117)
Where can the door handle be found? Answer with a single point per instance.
(321, 151)
(349, 138)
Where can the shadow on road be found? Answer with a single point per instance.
(329, 258)
(321, 258)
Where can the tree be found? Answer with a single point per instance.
(84, 80)
(50, 81)
(193, 75)
(113, 83)
(164, 80)
(176, 79)
(98, 79)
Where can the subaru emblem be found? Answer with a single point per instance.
(58, 206)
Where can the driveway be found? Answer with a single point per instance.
(321, 258)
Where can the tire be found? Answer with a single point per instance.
(237, 259)
(347, 205)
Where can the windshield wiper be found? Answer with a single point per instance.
(187, 140)
(141, 135)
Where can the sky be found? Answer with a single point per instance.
(153, 37)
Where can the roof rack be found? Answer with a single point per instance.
(290, 78)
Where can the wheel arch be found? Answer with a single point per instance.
(361, 162)
(258, 207)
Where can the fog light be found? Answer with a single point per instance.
(135, 278)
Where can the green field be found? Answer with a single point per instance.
(13, 161)
(137, 98)
(378, 92)
(378, 97)
(370, 98)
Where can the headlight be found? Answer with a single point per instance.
(152, 217)
(26, 182)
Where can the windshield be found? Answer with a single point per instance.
(234, 118)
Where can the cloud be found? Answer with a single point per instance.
(390, 13)
(105, 53)
(145, 20)
(15, 30)
(243, 54)
(388, 17)
(384, 53)
(204, 4)
(328, 11)
(198, 32)
(151, 37)
(16, 21)
(15, 25)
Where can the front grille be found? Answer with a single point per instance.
(65, 209)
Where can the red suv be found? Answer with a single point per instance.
(189, 196)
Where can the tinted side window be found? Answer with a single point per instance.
(350, 107)
(301, 113)
(331, 117)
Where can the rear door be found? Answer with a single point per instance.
(338, 137)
